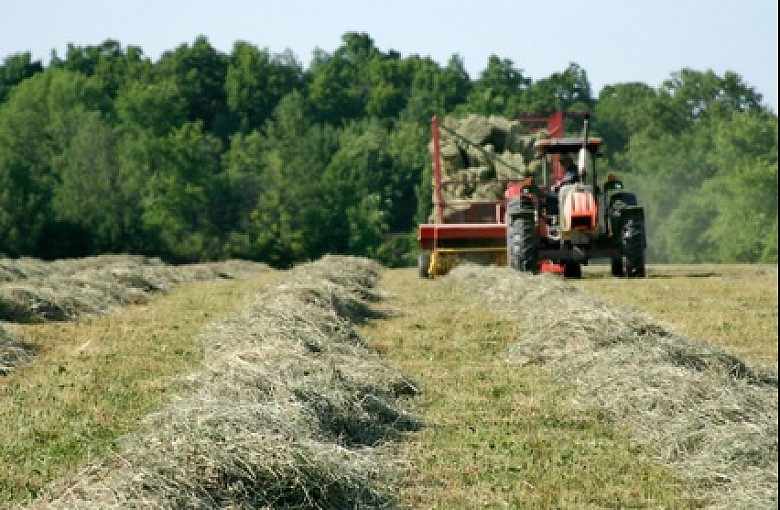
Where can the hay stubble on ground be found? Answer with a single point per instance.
(284, 413)
(321, 391)
(710, 415)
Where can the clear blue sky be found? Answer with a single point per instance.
(614, 41)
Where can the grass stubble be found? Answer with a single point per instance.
(95, 379)
(499, 435)
(542, 395)
(519, 407)
(281, 407)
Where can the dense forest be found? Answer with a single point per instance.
(203, 155)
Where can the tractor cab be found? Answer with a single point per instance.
(550, 151)
(568, 207)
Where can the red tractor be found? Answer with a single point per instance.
(539, 225)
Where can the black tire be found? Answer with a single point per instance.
(622, 199)
(617, 266)
(572, 270)
(633, 246)
(521, 244)
(423, 263)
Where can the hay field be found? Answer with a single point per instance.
(342, 384)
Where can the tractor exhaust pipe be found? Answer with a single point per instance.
(583, 155)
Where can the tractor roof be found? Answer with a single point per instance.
(564, 145)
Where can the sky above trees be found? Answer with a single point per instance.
(613, 40)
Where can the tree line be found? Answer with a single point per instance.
(203, 155)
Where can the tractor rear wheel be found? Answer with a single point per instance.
(521, 244)
(633, 249)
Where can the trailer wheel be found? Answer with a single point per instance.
(521, 245)
(423, 263)
(633, 249)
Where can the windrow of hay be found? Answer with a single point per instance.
(284, 414)
(13, 352)
(706, 413)
(33, 290)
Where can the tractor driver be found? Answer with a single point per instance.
(571, 175)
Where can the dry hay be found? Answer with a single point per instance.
(500, 151)
(62, 290)
(33, 290)
(706, 413)
(284, 413)
(13, 352)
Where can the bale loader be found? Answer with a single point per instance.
(537, 226)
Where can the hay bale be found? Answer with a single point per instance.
(499, 150)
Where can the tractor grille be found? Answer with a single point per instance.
(580, 222)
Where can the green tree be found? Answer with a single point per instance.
(275, 181)
(176, 203)
(15, 69)
(744, 193)
(340, 88)
(434, 90)
(619, 114)
(37, 125)
(358, 186)
(567, 91)
(200, 72)
(699, 187)
(87, 201)
(498, 90)
(109, 66)
(157, 107)
(744, 226)
(256, 81)
(705, 94)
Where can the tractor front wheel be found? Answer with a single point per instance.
(572, 270)
(617, 266)
(633, 249)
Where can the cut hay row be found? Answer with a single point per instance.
(13, 352)
(284, 413)
(33, 290)
(707, 414)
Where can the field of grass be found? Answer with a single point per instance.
(507, 437)
(496, 434)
